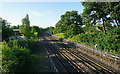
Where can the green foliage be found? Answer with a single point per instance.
(51, 29)
(118, 51)
(72, 30)
(70, 24)
(15, 58)
(6, 31)
(16, 54)
(110, 42)
(36, 29)
(100, 12)
(29, 33)
(35, 32)
(25, 28)
(59, 28)
(15, 27)
(33, 45)
(114, 11)
(84, 38)
(45, 29)
(97, 26)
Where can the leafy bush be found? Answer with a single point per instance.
(110, 42)
(84, 38)
(15, 58)
(6, 31)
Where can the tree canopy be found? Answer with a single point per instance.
(15, 27)
(104, 12)
(6, 31)
(25, 28)
(98, 24)
(70, 24)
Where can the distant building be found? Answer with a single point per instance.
(16, 35)
(16, 32)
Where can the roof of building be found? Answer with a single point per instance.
(15, 29)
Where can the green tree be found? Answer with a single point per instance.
(51, 29)
(15, 27)
(70, 21)
(72, 30)
(114, 10)
(95, 12)
(71, 17)
(59, 27)
(15, 57)
(6, 31)
(35, 30)
(25, 28)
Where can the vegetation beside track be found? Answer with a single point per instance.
(0, 56)
(105, 60)
(27, 54)
(60, 35)
(91, 27)
(66, 48)
(108, 43)
(39, 60)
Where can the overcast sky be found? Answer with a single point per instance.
(42, 14)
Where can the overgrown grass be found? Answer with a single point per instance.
(60, 35)
(40, 61)
(74, 40)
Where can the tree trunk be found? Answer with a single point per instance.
(104, 27)
(116, 23)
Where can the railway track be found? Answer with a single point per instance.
(58, 57)
(97, 68)
(69, 65)
(51, 52)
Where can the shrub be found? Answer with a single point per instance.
(15, 58)
(110, 42)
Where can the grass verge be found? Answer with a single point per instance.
(40, 61)
(60, 35)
